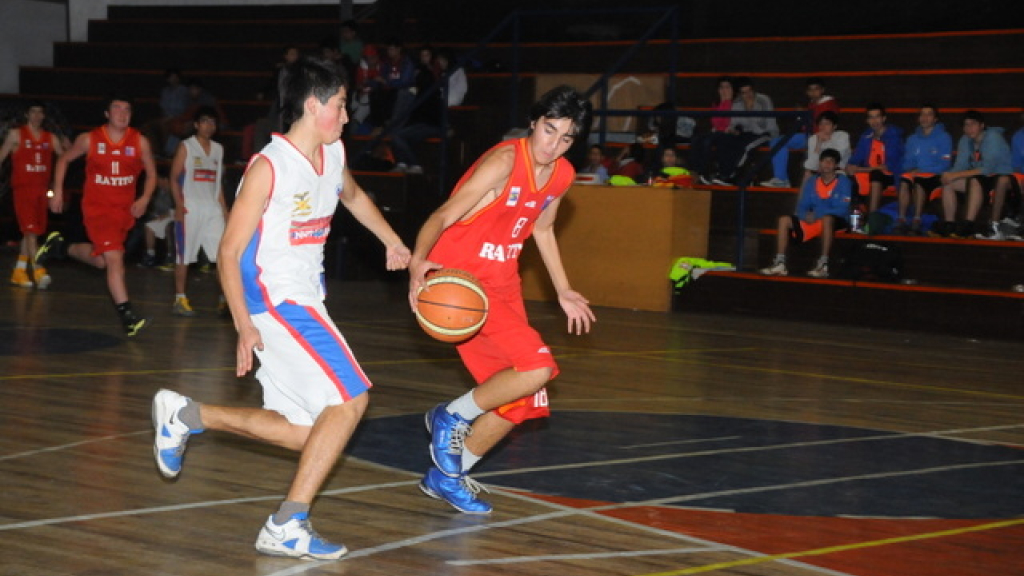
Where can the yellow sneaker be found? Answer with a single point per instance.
(182, 307)
(41, 277)
(20, 278)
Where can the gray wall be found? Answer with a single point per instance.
(28, 29)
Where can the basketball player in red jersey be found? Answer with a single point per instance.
(115, 155)
(31, 149)
(511, 192)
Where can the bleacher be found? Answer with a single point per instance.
(961, 286)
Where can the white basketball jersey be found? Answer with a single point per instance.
(284, 258)
(202, 174)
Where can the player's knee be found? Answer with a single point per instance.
(539, 377)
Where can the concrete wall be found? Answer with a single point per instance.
(28, 29)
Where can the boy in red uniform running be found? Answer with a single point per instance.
(115, 155)
(511, 192)
(31, 149)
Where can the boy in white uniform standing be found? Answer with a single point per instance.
(271, 270)
(199, 208)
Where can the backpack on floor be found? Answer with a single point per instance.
(872, 261)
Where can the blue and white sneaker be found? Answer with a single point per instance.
(171, 433)
(448, 435)
(459, 492)
(296, 539)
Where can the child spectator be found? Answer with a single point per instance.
(878, 158)
(702, 145)
(929, 151)
(982, 165)
(827, 136)
(822, 210)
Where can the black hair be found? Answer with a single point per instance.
(934, 108)
(816, 80)
(828, 115)
(35, 103)
(974, 115)
(205, 112)
(351, 25)
(829, 153)
(310, 76)
(741, 81)
(116, 97)
(563, 102)
(875, 106)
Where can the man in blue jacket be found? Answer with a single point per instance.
(982, 165)
(928, 154)
(822, 210)
(877, 161)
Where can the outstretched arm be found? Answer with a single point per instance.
(365, 211)
(576, 307)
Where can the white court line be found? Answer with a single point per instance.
(71, 445)
(680, 442)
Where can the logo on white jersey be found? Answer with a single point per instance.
(513, 196)
(301, 205)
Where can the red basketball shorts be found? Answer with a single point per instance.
(507, 341)
(30, 207)
(107, 227)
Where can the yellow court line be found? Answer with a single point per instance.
(840, 548)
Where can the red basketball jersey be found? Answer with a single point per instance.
(112, 169)
(32, 162)
(488, 243)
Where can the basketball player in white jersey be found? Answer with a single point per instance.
(199, 208)
(271, 270)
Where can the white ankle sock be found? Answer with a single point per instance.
(465, 407)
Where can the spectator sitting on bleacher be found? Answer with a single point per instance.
(929, 151)
(393, 93)
(1017, 181)
(817, 103)
(351, 46)
(702, 145)
(982, 165)
(630, 163)
(596, 165)
(877, 160)
(367, 81)
(822, 210)
(745, 133)
(828, 136)
(447, 63)
(425, 120)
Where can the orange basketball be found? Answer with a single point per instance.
(453, 306)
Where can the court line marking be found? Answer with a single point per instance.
(71, 445)
(525, 520)
(673, 535)
(842, 548)
(680, 442)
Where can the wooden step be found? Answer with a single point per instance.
(958, 311)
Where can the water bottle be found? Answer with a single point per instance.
(855, 220)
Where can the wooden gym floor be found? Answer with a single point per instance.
(679, 444)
